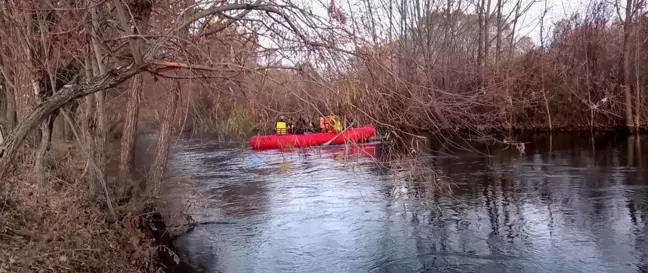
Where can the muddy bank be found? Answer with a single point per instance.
(153, 225)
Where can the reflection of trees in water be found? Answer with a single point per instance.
(572, 184)
(503, 205)
(242, 199)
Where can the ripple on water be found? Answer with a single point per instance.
(324, 211)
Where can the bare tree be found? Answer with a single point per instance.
(143, 9)
(627, 66)
(162, 149)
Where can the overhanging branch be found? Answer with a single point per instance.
(230, 21)
(226, 67)
(17, 136)
(220, 9)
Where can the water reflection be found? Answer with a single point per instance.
(570, 204)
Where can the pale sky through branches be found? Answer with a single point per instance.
(356, 11)
(556, 11)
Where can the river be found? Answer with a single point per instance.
(569, 204)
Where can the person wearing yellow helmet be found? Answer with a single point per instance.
(281, 128)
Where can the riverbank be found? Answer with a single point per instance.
(58, 226)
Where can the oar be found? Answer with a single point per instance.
(336, 136)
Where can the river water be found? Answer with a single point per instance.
(569, 204)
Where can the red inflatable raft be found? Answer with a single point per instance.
(351, 135)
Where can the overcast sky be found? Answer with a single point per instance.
(529, 24)
(558, 9)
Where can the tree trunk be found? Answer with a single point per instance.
(372, 21)
(486, 29)
(3, 100)
(480, 39)
(448, 37)
(514, 27)
(627, 77)
(100, 137)
(25, 92)
(500, 25)
(88, 129)
(42, 92)
(11, 109)
(127, 158)
(6, 76)
(43, 147)
(98, 69)
(637, 102)
(162, 149)
(9, 92)
(130, 131)
(44, 136)
(55, 102)
(97, 134)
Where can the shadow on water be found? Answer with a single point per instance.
(570, 204)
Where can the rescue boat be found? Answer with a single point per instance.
(350, 135)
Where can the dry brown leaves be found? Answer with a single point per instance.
(54, 228)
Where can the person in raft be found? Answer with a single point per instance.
(281, 128)
(323, 125)
(284, 127)
(300, 126)
(336, 123)
(330, 124)
(290, 124)
(311, 126)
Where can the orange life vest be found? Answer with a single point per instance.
(330, 122)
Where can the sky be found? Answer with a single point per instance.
(557, 10)
(528, 25)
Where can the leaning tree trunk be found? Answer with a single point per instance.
(164, 139)
(130, 131)
(126, 162)
(156, 172)
(55, 102)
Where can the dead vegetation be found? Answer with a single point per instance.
(449, 67)
(56, 227)
(92, 75)
(73, 74)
